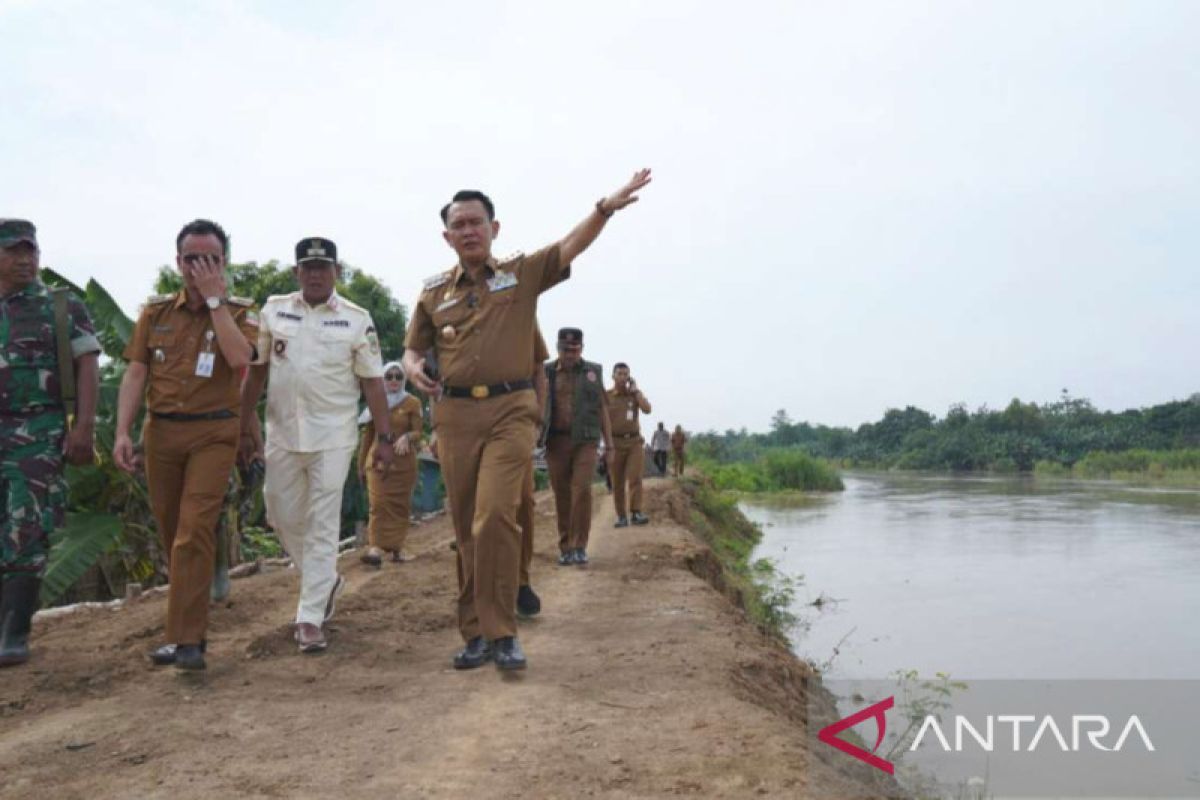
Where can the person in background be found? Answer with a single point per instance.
(626, 461)
(528, 603)
(390, 492)
(660, 443)
(678, 442)
(34, 435)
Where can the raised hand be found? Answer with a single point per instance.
(628, 193)
(208, 274)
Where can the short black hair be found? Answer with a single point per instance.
(619, 365)
(203, 227)
(466, 195)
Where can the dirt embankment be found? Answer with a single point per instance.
(644, 681)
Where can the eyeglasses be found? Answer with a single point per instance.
(394, 376)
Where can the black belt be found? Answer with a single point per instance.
(181, 417)
(482, 392)
(558, 432)
(29, 411)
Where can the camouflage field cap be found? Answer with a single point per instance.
(15, 231)
(315, 249)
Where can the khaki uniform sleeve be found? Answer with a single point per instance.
(420, 335)
(367, 363)
(83, 332)
(249, 321)
(262, 344)
(138, 349)
(540, 353)
(544, 268)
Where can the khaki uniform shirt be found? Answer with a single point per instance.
(540, 352)
(317, 356)
(623, 414)
(172, 340)
(484, 333)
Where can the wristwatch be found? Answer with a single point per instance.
(390, 438)
(214, 303)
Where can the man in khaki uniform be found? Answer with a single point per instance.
(479, 317)
(320, 350)
(576, 419)
(528, 603)
(627, 462)
(187, 352)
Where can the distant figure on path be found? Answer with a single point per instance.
(660, 442)
(627, 459)
(678, 442)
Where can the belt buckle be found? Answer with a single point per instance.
(480, 392)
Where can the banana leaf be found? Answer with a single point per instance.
(75, 547)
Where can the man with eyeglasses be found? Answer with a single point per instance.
(479, 318)
(320, 351)
(187, 355)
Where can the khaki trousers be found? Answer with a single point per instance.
(571, 469)
(187, 474)
(389, 499)
(486, 447)
(627, 464)
(525, 520)
(679, 461)
(303, 495)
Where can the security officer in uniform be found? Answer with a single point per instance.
(187, 354)
(528, 603)
(479, 317)
(627, 459)
(33, 426)
(320, 350)
(576, 418)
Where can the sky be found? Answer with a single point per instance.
(855, 206)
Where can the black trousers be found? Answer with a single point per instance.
(660, 461)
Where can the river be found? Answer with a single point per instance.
(987, 577)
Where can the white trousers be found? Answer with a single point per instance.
(303, 495)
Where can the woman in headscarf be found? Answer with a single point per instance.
(390, 494)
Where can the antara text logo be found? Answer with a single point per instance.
(1018, 732)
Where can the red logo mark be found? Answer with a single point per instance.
(829, 735)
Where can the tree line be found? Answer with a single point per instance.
(1018, 438)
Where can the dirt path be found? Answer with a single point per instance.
(643, 682)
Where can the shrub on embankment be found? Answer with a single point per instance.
(755, 586)
(1171, 466)
(776, 470)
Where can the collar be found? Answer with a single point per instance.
(35, 289)
(460, 272)
(332, 303)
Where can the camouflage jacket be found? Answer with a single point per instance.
(28, 352)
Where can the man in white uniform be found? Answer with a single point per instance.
(321, 349)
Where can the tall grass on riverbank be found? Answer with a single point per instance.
(1175, 467)
(777, 470)
(764, 593)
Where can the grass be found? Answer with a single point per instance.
(778, 470)
(765, 593)
(1170, 467)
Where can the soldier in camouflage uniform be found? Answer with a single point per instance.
(33, 428)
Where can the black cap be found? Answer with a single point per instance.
(315, 249)
(15, 231)
(570, 336)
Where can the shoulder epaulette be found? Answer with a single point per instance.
(278, 298)
(509, 259)
(350, 304)
(240, 301)
(155, 299)
(434, 281)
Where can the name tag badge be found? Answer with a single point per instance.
(204, 365)
(629, 414)
(501, 281)
(447, 303)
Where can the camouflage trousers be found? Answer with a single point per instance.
(32, 486)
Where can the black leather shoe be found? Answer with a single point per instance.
(528, 603)
(566, 559)
(509, 655)
(640, 519)
(622, 522)
(165, 655)
(581, 557)
(189, 657)
(477, 653)
(18, 601)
